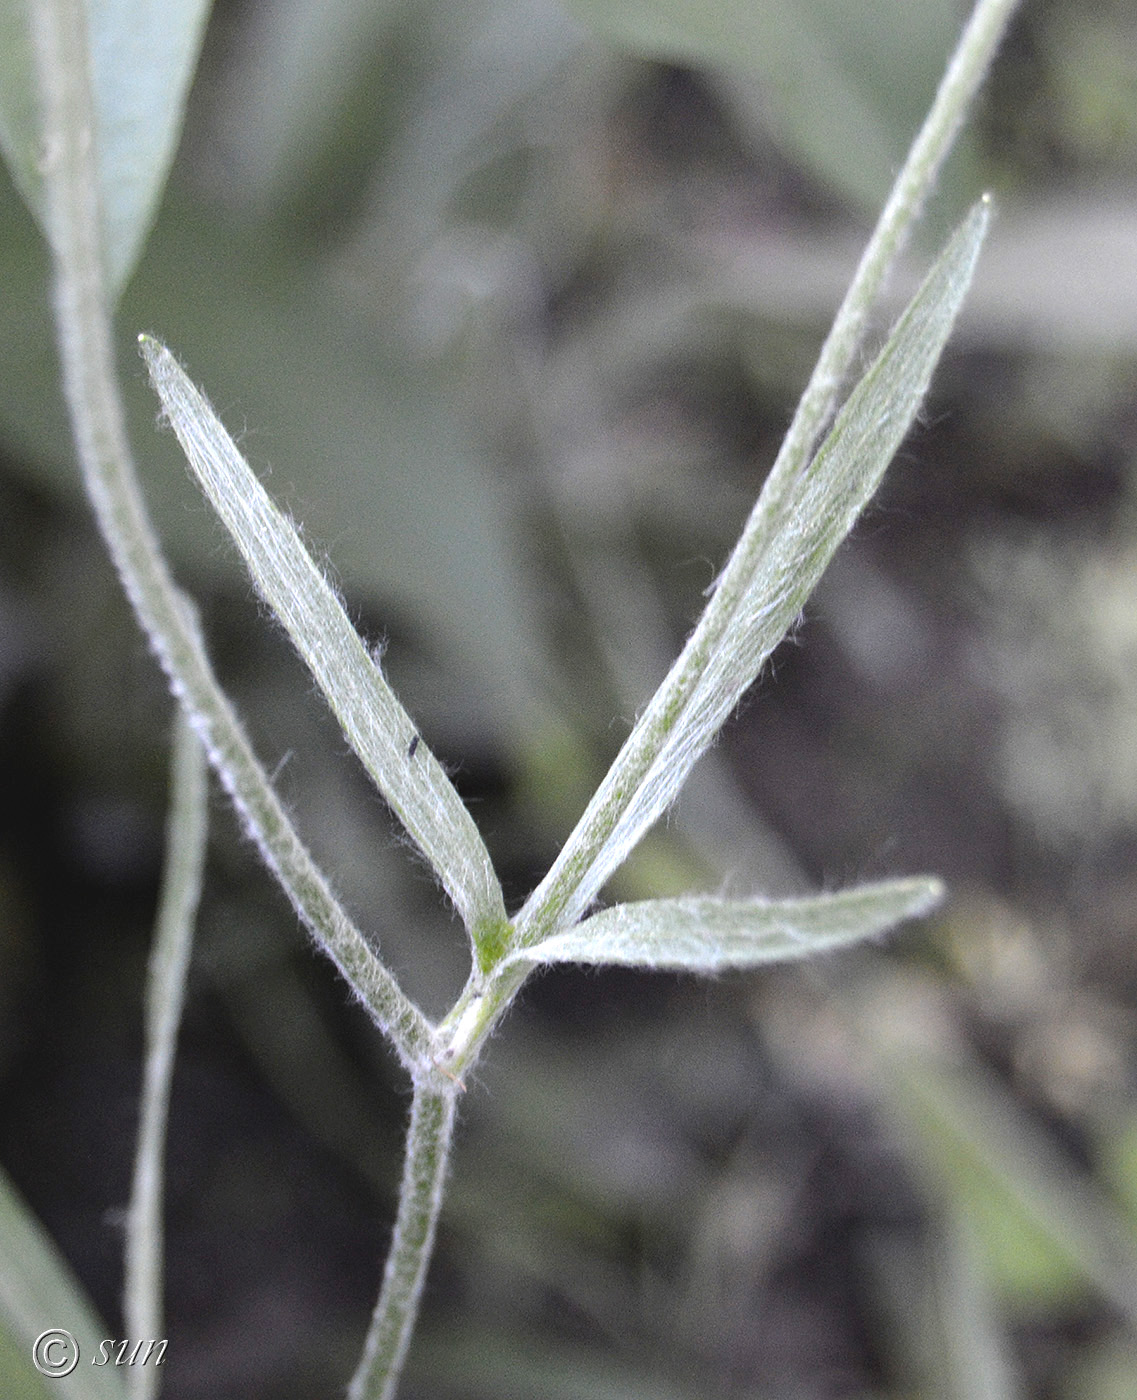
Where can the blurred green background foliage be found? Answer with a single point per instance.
(511, 301)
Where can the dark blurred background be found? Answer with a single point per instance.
(511, 304)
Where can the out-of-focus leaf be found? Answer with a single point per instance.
(1118, 1156)
(492, 71)
(1043, 1228)
(307, 87)
(510, 1369)
(936, 1312)
(876, 64)
(1054, 276)
(143, 59)
(19, 107)
(37, 1293)
(370, 448)
(143, 56)
(976, 1355)
(1104, 1370)
(19, 1379)
(712, 935)
(320, 98)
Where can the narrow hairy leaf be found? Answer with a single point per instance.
(141, 57)
(374, 722)
(94, 404)
(37, 1292)
(712, 935)
(792, 534)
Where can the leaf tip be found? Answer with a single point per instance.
(150, 349)
(929, 893)
(979, 216)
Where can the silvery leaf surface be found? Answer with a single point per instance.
(702, 934)
(374, 721)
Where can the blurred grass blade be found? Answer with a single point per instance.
(39, 1292)
(142, 58)
(714, 935)
(478, 1361)
(977, 1361)
(186, 833)
(20, 138)
(1031, 1206)
(775, 567)
(374, 722)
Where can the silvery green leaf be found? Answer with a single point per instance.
(794, 530)
(38, 1292)
(374, 722)
(702, 934)
(142, 58)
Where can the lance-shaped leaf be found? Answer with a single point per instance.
(39, 1296)
(141, 57)
(374, 722)
(793, 532)
(700, 934)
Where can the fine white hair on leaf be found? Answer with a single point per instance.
(708, 935)
(374, 722)
(804, 512)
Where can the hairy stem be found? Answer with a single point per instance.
(420, 1200)
(91, 388)
(169, 961)
(966, 70)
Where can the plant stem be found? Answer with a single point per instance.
(91, 388)
(420, 1200)
(966, 69)
(591, 852)
(169, 961)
